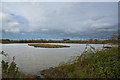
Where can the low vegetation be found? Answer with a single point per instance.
(48, 45)
(90, 41)
(113, 40)
(92, 63)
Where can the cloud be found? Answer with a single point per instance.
(23, 33)
(102, 25)
(66, 18)
(44, 29)
(105, 27)
(14, 30)
(8, 24)
(98, 18)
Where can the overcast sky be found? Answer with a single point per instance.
(70, 19)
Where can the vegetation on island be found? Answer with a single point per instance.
(48, 45)
(91, 63)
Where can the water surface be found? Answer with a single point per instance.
(31, 60)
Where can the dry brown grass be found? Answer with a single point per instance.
(48, 45)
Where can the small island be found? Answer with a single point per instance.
(48, 45)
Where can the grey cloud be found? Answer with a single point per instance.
(8, 24)
(98, 18)
(68, 18)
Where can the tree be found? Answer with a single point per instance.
(95, 40)
(66, 39)
(90, 40)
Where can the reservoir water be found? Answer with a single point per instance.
(32, 60)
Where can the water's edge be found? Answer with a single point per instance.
(32, 60)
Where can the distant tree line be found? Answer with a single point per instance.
(90, 41)
(114, 39)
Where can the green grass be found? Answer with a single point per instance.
(48, 45)
(92, 63)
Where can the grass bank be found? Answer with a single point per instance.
(48, 45)
(92, 63)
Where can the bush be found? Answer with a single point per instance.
(11, 70)
(91, 64)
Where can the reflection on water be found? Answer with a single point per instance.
(32, 60)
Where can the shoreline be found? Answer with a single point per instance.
(91, 41)
(90, 64)
(41, 74)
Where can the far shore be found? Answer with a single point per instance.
(90, 41)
